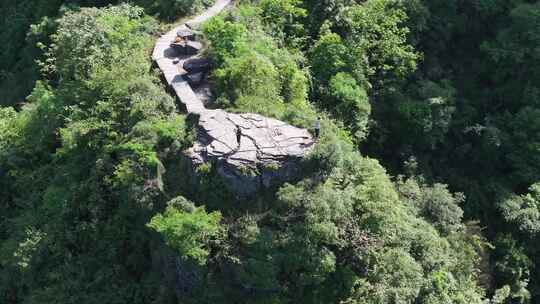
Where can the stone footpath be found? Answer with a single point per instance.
(269, 149)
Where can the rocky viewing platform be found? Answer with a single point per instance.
(250, 151)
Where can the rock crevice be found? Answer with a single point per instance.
(269, 149)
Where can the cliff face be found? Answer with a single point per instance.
(266, 150)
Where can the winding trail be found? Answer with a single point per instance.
(264, 141)
(172, 65)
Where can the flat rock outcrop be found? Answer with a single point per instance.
(268, 150)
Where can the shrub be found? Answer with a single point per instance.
(188, 232)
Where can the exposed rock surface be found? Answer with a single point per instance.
(269, 149)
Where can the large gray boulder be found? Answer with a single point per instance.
(269, 151)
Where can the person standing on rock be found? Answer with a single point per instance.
(317, 127)
(238, 135)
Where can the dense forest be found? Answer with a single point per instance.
(424, 186)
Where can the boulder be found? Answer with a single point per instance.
(269, 151)
(197, 65)
(195, 79)
(187, 47)
(185, 34)
(179, 47)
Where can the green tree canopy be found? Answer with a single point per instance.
(188, 230)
